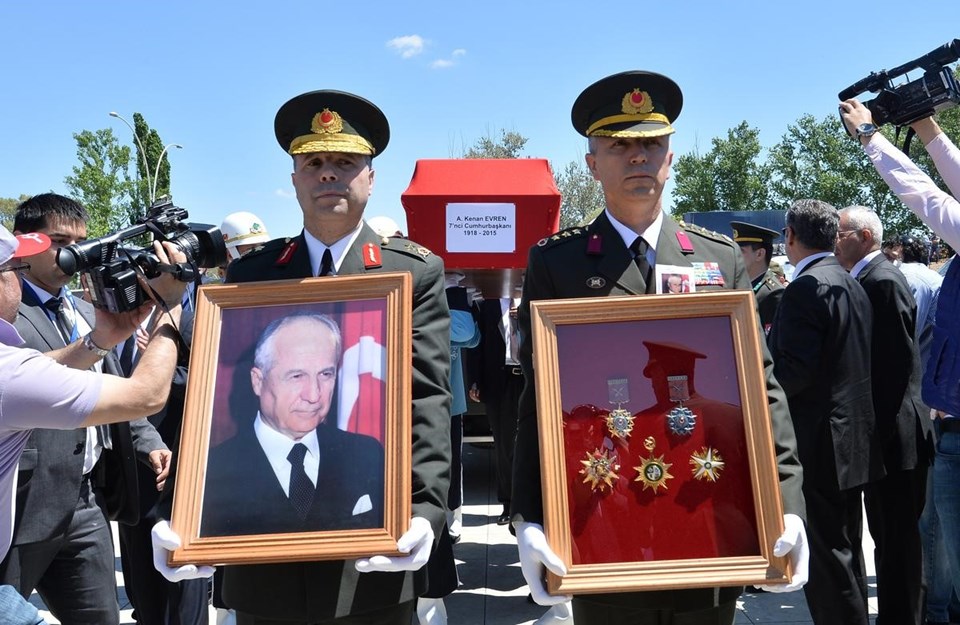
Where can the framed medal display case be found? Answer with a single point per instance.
(656, 446)
(272, 364)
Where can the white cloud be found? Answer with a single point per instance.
(459, 52)
(285, 194)
(407, 46)
(442, 64)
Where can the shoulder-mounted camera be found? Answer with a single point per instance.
(904, 104)
(113, 267)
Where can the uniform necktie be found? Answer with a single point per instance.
(639, 249)
(62, 320)
(326, 263)
(301, 488)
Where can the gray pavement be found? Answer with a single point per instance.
(492, 590)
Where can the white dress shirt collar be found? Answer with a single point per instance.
(863, 262)
(338, 250)
(277, 447)
(806, 261)
(651, 235)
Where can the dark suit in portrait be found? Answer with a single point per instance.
(243, 496)
(820, 342)
(895, 503)
(62, 543)
(593, 261)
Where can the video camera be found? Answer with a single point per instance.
(902, 105)
(113, 269)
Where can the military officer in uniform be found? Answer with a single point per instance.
(333, 137)
(627, 119)
(756, 245)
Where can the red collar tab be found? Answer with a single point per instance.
(286, 254)
(595, 244)
(685, 245)
(371, 256)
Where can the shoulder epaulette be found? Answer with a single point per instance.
(405, 246)
(710, 234)
(568, 234)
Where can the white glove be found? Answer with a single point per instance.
(535, 557)
(416, 541)
(793, 541)
(164, 541)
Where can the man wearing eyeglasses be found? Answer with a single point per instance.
(38, 392)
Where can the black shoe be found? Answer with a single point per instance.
(504, 518)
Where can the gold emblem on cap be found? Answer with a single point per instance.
(327, 122)
(636, 102)
(736, 233)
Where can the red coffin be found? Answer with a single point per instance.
(482, 216)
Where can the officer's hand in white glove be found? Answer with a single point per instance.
(164, 541)
(560, 613)
(535, 558)
(793, 542)
(416, 542)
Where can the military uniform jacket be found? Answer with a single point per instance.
(593, 261)
(768, 292)
(312, 591)
(51, 466)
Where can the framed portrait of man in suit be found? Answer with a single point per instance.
(297, 424)
(657, 455)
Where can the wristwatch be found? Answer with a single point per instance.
(93, 347)
(866, 130)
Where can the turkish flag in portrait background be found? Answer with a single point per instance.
(361, 383)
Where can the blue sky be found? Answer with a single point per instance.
(211, 76)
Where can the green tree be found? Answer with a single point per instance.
(581, 195)
(509, 145)
(817, 159)
(8, 209)
(730, 176)
(101, 181)
(147, 171)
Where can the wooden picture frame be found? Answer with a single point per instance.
(371, 400)
(671, 516)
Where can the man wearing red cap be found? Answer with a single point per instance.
(74, 397)
(627, 120)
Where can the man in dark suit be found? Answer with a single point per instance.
(627, 119)
(71, 482)
(820, 343)
(332, 137)
(756, 245)
(895, 503)
(295, 369)
(498, 382)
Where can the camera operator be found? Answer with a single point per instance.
(941, 212)
(37, 392)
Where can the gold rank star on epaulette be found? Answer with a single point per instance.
(409, 247)
(568, 234)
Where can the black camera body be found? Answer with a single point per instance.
(113, 268)
(902, 105)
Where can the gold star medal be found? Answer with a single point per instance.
(653, 471)
(707, 464)
(619, 420)
(600, 469)
(681, 420)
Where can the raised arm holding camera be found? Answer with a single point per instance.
(941, 212)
